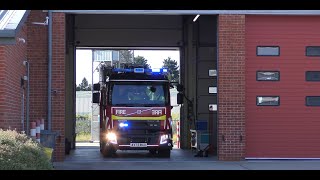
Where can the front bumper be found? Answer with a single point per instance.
(165, 146)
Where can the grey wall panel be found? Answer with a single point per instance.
(207, 30)
(204, 84)
(128, 21)
(128, 30)
(203, 69)
(207, 54)
(126, 37)
(203, 103)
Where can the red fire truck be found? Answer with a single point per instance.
(135, 110)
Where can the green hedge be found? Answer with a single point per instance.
(19, 152)
(83, 126)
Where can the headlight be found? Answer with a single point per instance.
(164, 139)
(111, 137)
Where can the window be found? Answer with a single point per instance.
(313, 100)
(313, 76)
(268, 76)
(146, 94)
(313, 51)
(102, 55)
(115, 55)
(268, 100)
(268, 51)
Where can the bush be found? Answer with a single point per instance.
(83, 124)
(20, 152)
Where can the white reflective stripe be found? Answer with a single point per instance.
(107, 122)
(147, 145)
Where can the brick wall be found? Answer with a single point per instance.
(58, 81)
(11, 92)
(38, 62)
(231, 87)
(38, 58)
(2, 90)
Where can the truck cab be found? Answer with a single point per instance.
(135, 110)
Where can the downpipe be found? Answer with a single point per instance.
(49, 67)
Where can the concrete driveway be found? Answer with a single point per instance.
(88, 157)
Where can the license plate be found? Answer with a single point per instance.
(138, 144)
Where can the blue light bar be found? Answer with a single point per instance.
(142, 70)
(138, 70)
(156, 70)
(122, 70)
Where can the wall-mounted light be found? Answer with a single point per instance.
(25, 63)
(22, 40)
(195, 18)
(45, 23)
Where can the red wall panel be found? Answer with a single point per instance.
(291, 130)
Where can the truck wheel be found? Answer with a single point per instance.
(164, 153)
(152, 152)
(108, 151)
(101, 145)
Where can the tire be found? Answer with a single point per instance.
(108, 151)
(101, 145)
(164, 153)
(153, 152)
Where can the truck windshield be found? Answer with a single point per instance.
(138, 94)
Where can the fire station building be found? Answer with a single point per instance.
(254, 76)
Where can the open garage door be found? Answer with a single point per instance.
(282, 97)
(128, 30)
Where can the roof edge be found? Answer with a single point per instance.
(22, 22)
(8, 33)
(8, 36)
(194, 12)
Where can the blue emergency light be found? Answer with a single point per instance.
(138, 70)
(123, 124)
(122, 70)
(156, 70)
(142, 70)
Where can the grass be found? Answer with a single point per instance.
(83, 137)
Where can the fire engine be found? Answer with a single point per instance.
(135, 110)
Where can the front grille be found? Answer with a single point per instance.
(139, 131)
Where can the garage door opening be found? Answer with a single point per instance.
(194, 41)
(88, 61)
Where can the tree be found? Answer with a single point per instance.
(84, 85)
(125, 56)
(141, 61)
(173, 69)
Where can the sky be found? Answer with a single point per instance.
(84, 58)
